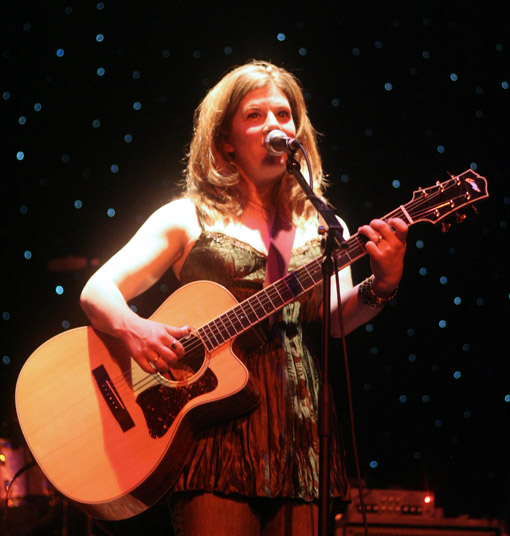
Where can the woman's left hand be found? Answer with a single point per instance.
(386, 247)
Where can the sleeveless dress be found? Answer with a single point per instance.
(272, 451)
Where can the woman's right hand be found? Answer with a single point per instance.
(154, 346)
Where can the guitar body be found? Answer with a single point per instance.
(91, 416)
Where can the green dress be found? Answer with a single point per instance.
(273, 450)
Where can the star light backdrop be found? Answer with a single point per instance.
(96, 107)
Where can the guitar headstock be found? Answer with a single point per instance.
(435, 203)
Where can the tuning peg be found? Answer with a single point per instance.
(445, 227)
(460, 217)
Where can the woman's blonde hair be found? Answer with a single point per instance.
(212, 180)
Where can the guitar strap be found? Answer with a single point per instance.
(280, 248)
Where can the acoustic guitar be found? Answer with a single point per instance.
(113, 438)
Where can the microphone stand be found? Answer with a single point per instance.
(333, 239)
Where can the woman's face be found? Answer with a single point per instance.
(259, 112)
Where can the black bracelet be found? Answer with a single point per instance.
(369, 297)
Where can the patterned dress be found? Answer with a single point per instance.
(272, 451)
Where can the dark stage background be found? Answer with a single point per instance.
(96, 111)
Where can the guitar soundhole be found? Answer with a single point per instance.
(191, 364)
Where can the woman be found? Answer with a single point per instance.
(256, 473)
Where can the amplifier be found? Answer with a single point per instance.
(398, 512)
(389, 503)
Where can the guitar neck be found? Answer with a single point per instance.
(431, 205)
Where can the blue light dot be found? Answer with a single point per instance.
(22, 120)
(227, 50)
(367, 387)
(374, 350)
(440, 149)
(438, 423)
(369, 328)
(388, 86)
(26, 27)
(507, 399)
(356, 51)
(416, 455)
(425, 399)
(443, 280)
(457, 374)
(23, 209)
(335, 103)
(402, 399)
(280, 37)
(499, 47)
(412, 358)
(411, 332)
(136, 75)
(78, 204)
(396, 184)
(165, 53)
(504, 85)
(479, 114)
(20, 155)
(345, 178)
(452, 251)
(479, 302)
(133, 308)
(96, 123)
(454, 77)
(6, 315)
(374, 464)
(6, 95)
(196, 54)
(114, 168)
(37, 106)
(466, 347)
(303, 51)
(100, 71)
(466, 414)
(423, 271)
(27, 254)
(66, 324)
(473, 166)
(100, 37)
(128, 138)
(6, 360)
(59, 289)
(420, 244)
(442, 324)
(137, 105)
(60, 52)
(68, 10)
(425, 54)
(378, 44)
(110, 212)
(369, 133)
(457, 300)
(65, 158)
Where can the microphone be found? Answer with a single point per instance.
(277, 142)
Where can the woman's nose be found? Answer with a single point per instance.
(272, 122)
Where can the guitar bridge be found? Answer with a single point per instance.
(112, 398)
